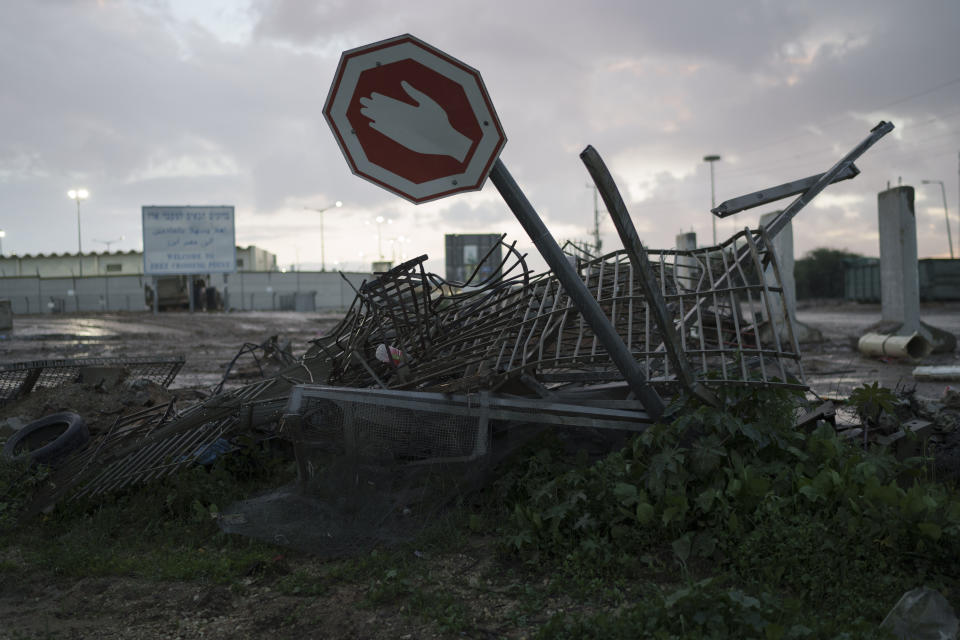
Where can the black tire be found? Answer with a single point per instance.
(48, 440)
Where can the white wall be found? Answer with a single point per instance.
(67, 265)
(249, 291)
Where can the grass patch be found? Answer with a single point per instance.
(722, 524)
(166, 530)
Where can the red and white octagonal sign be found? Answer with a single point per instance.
(413, 119)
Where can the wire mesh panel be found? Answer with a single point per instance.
(154, 443)
(391, 428)
(19, 378)
(387, 428)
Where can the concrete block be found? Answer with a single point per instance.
(783, 249)
(899, 270)
(905, 446)
(687, 270)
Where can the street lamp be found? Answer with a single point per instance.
(323, 262)
(78, 195)
(711, 159)
(400, 241)
(943, 190)
(380, 220)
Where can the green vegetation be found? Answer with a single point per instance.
(722, 524)
(166, 530)
(820, 273)
(817, 536)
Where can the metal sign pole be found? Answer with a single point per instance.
(586, 304)
(648, 280)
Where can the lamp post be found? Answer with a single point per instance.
(3, 234)
(711, 159)
(397, 246)
(78, 195)
(943, 190)
(323, 261)
(380, 220)
(596, 219)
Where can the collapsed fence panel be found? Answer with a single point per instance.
(422, 427)
(20, 378)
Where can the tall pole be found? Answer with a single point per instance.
(575, 288)
(596, 220)
(379, 237)
(946, 215)
(79, 242)
(323, 253)
(78, 195)
(323, 258)
(713, 199)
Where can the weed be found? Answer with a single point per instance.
(19, 479)
(176, 537)
(741, 492)
(303, 583)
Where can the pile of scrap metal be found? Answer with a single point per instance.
(424, 371)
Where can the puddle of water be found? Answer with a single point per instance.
(194, 380)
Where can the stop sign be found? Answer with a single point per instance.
(413, 119)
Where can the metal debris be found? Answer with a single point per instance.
(20, 378)
(423, 371)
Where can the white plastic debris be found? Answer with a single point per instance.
(922, 614)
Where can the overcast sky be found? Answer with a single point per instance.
(158, 102)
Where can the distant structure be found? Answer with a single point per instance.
(64, 265)
(463, 253)
(253, 258)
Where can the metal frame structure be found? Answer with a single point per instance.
(20, 378)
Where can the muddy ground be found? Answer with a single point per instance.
(49, 606)
(834, 367)
(209, 341)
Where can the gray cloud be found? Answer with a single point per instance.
(144, 106)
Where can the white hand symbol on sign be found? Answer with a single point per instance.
(424, 128)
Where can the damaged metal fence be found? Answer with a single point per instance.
(20, 378)
(423, 371)
(489, 336)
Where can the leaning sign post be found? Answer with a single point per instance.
(419, 123)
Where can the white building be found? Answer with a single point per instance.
(66, 265)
